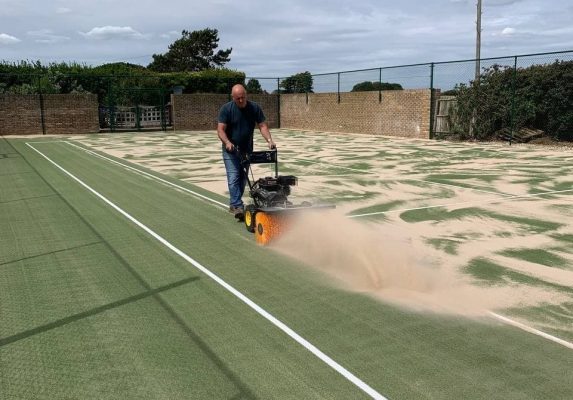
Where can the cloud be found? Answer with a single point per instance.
(318, 36)
(47, 36)
(170, 34)
(7, 39)
(113, 32)
(508, 31)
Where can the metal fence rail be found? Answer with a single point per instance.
(530, 91)
(480, 113)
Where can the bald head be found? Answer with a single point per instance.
(239, 95)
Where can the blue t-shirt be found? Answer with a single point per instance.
(241, 123)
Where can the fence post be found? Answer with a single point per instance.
(380, 87)
(162, 114)
(42, 116)
(338, 87)
(278, 103)
(432, 100)
(513, 90)
(110, 106)
(137, 116)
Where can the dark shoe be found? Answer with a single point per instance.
(238, 212)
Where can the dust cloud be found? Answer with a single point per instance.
(393, 264)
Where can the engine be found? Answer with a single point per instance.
(273, 191)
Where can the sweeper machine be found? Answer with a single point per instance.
(270, 211)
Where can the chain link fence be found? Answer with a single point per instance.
(514, 98)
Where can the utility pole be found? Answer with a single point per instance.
(478, 41)
(477, 72)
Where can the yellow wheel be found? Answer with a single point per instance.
(268, 227)
(250, 218)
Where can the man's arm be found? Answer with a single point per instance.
(223, 136)
(264, 128)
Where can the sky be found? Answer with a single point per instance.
(280, 38)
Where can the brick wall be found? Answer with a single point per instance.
(403, 113)
(20, 114)
(63, 114)
(196, 111)
(199, 111)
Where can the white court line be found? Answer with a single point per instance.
(47, 141)
(149, 175)
(299, 339)
(532, 330)
(490, 201)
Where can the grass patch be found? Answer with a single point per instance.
(442, 214)
(562, 208)
(377, 208)
(537, 256)
(532, 182)
(360, 166)
(343, 196)
(488, 273)
(562, 186)
(447, 245)
(447, 178)
(369, 182)
(563, 237)
(554, 319)
(477, 153)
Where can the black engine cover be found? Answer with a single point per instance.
(271, 192)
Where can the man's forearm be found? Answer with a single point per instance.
(223, 136)
(264, 128)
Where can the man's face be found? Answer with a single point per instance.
(240, 98)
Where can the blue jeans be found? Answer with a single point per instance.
(236, 178)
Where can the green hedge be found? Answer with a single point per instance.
(116, 82)
(539, 96)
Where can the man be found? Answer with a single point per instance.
(235, 128)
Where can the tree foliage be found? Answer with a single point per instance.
(27, 77)
(254, 86)
(114, 83)
(121, 69)
(194, 51)
(539, 96)
(219, 80)
(367, 86)
(298, 83)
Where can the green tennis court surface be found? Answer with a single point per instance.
(122, 275)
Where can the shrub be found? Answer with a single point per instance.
(539, 96)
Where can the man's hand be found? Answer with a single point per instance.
(230, 147)
(272, 144)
